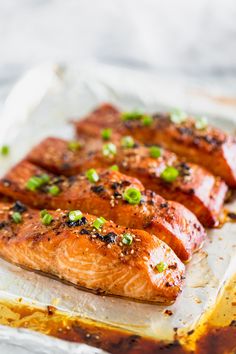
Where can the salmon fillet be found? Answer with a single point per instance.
(195, 187)
(97, 260)
(170, 221)
(209, 147)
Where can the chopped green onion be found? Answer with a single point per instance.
(177, 116)
(75, 215)
(43, 212)
(132, 195)
(34, 183)
(127, 239)
(155, 151)
(147, 120)
(74, 145)
(169, 174)
(106, 133)
(109, 149)
(16, 217)
(47, 219)
(54, 190)
(92, 175)
(127, 142)
(201, 123)
(44, 178)
(160, 267)
(114, 168)
(5, 149)
(131, 115)
(99, 222)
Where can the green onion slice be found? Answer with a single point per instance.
(114, 168)
(201, 123)
(36, 182)
(155, 151)
(99, 222)
(43, 212)
(177, 116)
(131, 115)
(5, 149)
(132, 195)
(127, 142)
(75, 215)
(74, 145)
(16, 217)
(127, 239)
(54, 190)
(160, 267)
(109, 150)
(106, 133)
(169, 174)
(46, 219)
(92, 175)
(146, 120)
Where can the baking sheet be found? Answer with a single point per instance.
(39, 106)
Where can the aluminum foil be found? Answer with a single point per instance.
(41, 105)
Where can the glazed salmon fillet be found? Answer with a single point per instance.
(114, 195)
(195, 187)
(190, 138)
(96, 259)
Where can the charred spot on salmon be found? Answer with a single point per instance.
(97, 189)
(3, 224)
(110, 237)
(117, 194)
(80, 222)
(65, 166)
(184, 169)
(19, 207)
(115, 185)
(84, 232)
(185, 131)
(191, 191)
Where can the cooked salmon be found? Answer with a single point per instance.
(118, 197)
(96, 259)
(201, 144)
(195, 187)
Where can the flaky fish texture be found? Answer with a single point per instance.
(169, 221)
(196, 188)
(208, 146)
(90, 258)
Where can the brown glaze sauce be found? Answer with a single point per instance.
(216, 332)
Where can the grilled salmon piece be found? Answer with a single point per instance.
(206, 145)
(96, 259)
(170, 221)
(195, 187)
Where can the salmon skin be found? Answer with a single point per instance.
(195, 187)
(170, 221)
(97, 260)
(206, 145)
